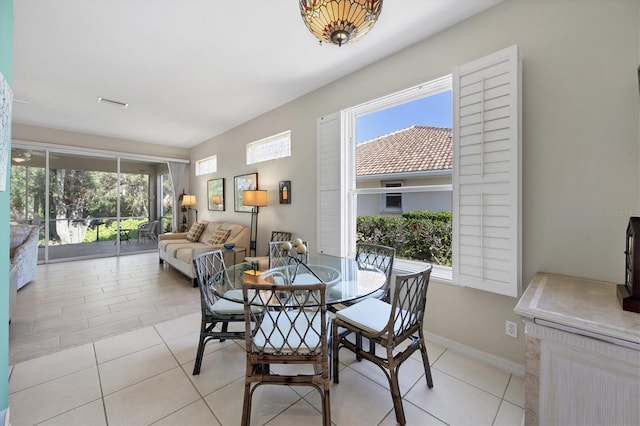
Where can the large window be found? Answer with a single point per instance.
(485, 183)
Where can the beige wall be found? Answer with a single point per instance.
(73, 139)
(581, 157)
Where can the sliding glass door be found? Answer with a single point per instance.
(87, 205)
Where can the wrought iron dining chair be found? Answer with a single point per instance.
(262, 262)
(289, 328)
(387, 325)
(210, 270)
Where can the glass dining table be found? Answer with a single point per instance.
(346, 279)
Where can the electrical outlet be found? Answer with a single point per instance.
(512, 329)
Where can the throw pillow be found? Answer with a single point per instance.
(196, 230)
(219, 236)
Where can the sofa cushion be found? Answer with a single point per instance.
(208, 231)
(219, 236)
(234, 229)
(164, 244)
(195, 231)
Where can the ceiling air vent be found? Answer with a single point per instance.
(112, 102)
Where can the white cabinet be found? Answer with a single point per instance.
(583, 354)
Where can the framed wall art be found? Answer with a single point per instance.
(215, 194)
(240, 184)
(285, 191)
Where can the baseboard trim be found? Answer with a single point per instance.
(501, 363)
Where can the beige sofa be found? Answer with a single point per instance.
(179, 252)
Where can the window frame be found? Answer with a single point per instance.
(390, 192)
(253, 148)
(488, 112)
(350, 116)
(213, 159)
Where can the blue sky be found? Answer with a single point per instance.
(434, 110)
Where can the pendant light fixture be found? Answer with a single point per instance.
(340, 21)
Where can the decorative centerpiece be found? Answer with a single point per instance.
(292, 270)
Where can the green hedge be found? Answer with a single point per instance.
(419, 235)
(110, 228)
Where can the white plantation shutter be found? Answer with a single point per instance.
(330, 189)
(486, 173)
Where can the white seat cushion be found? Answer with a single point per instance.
(371, 315)
(229, 307)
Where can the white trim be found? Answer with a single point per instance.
(404, 189)
(263, 149)
(68, 149)
(432, 87)
(500, 363)
(439, 273)
(209, 164)
(405, 175)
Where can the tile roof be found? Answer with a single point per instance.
(414, 149)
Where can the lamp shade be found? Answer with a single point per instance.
(255, 197)
(189, 200)
(340, 21)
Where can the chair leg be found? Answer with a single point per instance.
(326, 407)
(246, 405)
(200, 353)
(334, 353)
(225, 328)
(358, 346)
(425, 361)
(396, 396)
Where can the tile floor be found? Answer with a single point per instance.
(73, 303)
(141, 374)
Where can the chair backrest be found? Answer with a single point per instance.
(210, 269)
(408, 304)
(290, 322)
(280, 257)
(379, 256)
(153, 228)
(280, 236)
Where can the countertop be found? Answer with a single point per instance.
(579, 303)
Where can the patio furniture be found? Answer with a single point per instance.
(124, 235)
(148, 230)
(210, 270)
(388, 325)
(23, 251)
(288, 328)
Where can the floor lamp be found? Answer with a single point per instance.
(188, 201)
(254, 198)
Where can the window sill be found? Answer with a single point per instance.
(439, 273)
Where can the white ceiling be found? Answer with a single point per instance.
(189, 70)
